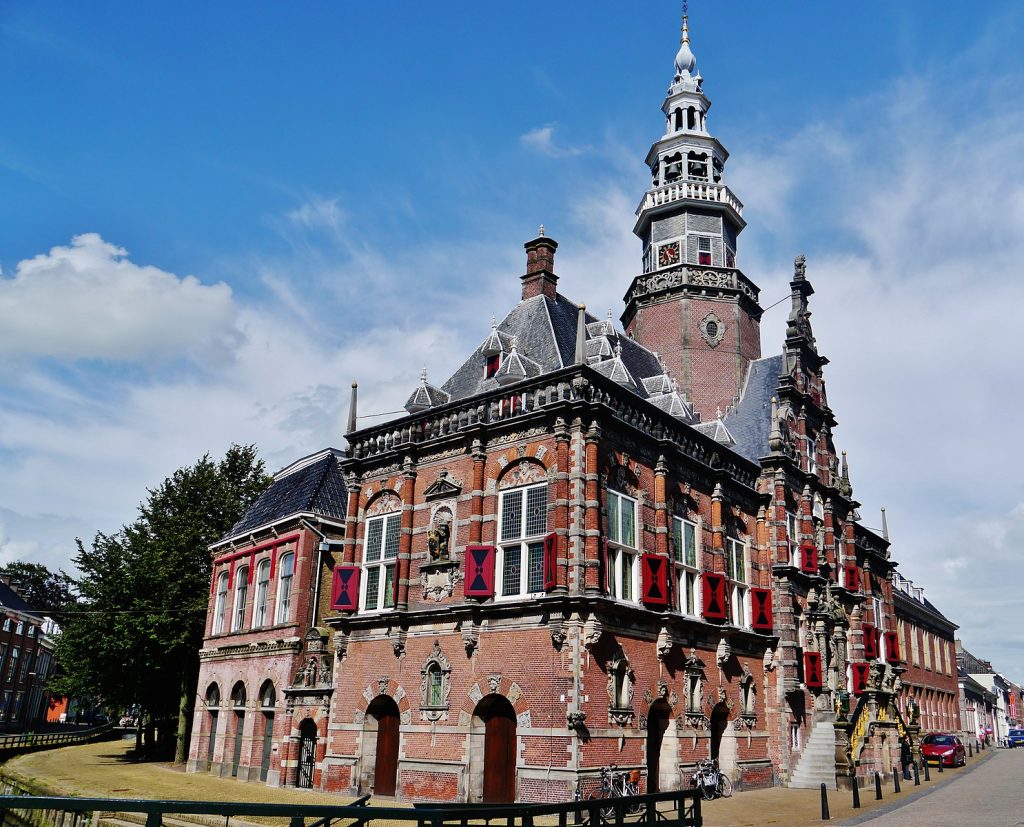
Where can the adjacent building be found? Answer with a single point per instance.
(591, 544)
(26, 661)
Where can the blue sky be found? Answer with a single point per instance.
(214, 216)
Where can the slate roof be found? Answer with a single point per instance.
(544, 332)
(750, 422)
(10, 599)
(311, 485)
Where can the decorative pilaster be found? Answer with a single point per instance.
(405, 548)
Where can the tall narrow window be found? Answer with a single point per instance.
(259, 606)
(622, 546)
(12, 667)
(685, 536)
(380, 555)
(286, 572)
(491, 365)
(241, 594)
(736, 570)
(221, 604)
(435, 686)
(524, 522)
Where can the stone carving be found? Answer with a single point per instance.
(435, 685)
(558, 635)
(592, 631)
(382, 686)
(397, 637)
(621, 681)
(494, 681)
(440, 582)
(525, 719)
(439, 536)
(575, 720)
(475, 694)
(523, 473)
(442, 487)
(665, 643)
(386, 503)
(724, 652)
(470, 637)
(712, 330)
(514, 694)
(406, 717)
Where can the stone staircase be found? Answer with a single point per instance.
(817, 763)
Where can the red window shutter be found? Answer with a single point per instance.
(654, 579)
(273, 561)
(852, 577)
(870, 641)
(231, 575)
(713, 588)
(892, 647)
(809, 558)
(252, 567)
(761, 610)
(812, 670)
(860, 677)
(550, 562)
(345, 589)
(479, 580)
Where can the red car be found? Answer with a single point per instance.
(944, 747)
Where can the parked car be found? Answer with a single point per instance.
(944, 747)
(1015, 738)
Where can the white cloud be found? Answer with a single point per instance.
(89, 301)
(542, 140)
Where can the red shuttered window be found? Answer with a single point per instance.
(345, 588)
(479, 580)
(812, 670)
(654, 579)
(715, 606)
(761, 610)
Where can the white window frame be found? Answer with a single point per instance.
(240, 599)
(523, 538)
(710, 250)
(220, 606)
(259, 605)
(792, 535)
(688, 585)
(623, 552)
(736, 554)
(380, 562)
(285, 577)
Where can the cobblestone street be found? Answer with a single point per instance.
(987, 795)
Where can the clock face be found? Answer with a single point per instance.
(668, 254)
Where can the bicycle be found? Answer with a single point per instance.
(710, 780)
(617, 785)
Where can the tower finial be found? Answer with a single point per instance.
(685, 61)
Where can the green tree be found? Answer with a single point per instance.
(143, 594)
(44, 590)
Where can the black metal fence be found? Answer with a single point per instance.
(26, 741)
(679, 808)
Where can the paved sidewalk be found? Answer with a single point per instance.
(103, 770)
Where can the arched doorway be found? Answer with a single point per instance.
(238, 704)
(268, 700)
(494, 723)
(213, 708)
(307, 753)
(718, 724)
(658, 718)
(380, 740)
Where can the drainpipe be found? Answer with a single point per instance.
(324, 545)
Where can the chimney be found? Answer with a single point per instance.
(540, 278)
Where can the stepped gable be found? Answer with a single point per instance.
(750, 422)
(311, 485)
(538, 336)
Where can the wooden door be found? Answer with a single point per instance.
(237, 757)
(499, 752)
(657, 724)
(385, 769)
(268, 737)
(213, 740)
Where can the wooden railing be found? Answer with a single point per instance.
(678, 808)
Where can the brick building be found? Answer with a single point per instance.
(26, 662)
(927, 642)
(588, 545)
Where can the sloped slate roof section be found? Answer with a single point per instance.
(10, 599)
(316, 487)
(750, 423)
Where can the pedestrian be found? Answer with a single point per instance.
(906, 756)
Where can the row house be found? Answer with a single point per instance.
(591, 544)
(927, 640)
(26, 661)
(1006, 711)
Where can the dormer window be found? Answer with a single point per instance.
(491, 364)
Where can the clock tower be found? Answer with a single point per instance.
(691, 303)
